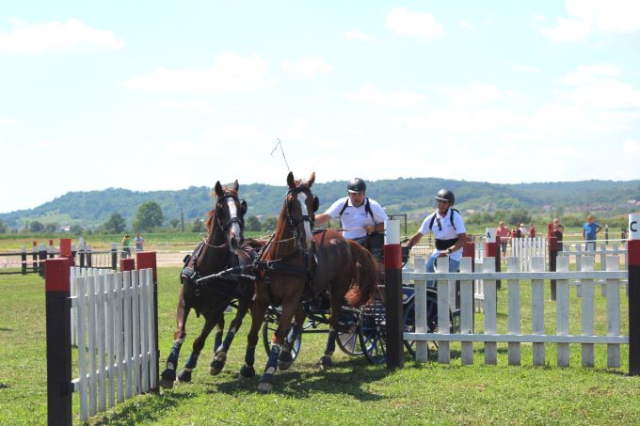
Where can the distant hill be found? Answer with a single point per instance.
(412, 196)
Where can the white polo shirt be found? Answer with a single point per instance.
(448, 232)
(354, 219)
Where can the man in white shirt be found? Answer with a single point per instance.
(447, 226)
(361, 217)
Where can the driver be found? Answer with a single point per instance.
(361, 216)
(447, 226)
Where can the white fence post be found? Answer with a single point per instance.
(420, 303)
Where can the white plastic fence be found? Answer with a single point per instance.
(514, 335)
(114, 321)
(525, 249)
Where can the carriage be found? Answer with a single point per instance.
(362, 331)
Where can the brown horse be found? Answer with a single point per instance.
(221, 249)
(297, 265)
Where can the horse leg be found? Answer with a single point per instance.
(285, 360)
(218, 332)
(289, 308)
(198, 344)
(168, 376)
(325, 362)
(258, 310)
(220, 357)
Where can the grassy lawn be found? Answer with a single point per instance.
(352, 393)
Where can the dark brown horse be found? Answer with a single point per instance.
(298, 265)
(220, 250)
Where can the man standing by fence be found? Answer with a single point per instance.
(504, 233)
(590, 233)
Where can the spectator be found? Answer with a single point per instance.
(126, 250)
(523, 230)
(504, 233)
(532, 231)
(558, 231)
(139, 242)
(589, 233)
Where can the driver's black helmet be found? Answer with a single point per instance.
(446, 195)
(357, 185)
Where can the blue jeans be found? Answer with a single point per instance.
(454, 266)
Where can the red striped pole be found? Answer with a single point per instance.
(127, 265)
(633, 251)
(393, 294)
(147, 259)
(58, 325)
(553, 256)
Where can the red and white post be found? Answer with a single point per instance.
(393, 294)
(58, 325)
(633, 251)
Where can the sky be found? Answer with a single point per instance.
(163, 95)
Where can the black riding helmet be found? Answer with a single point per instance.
(357, 185)
(446, 195)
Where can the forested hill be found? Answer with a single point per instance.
(413, 196)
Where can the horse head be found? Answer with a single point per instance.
(229, 215)
(301, 206)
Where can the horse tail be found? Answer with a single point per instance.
(365, 278)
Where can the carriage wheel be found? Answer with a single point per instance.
(269, 327)
(373, 333)
(349, 341)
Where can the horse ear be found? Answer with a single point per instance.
(243, 207)
(218, 189)
(312, 179)
(236, 186)
(316, 203)
(291, 181)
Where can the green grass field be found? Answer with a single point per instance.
(352, 393)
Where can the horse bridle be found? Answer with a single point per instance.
(305, 218)
(239, 219)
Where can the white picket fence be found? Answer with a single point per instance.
(577, 251)
(515, 336)
(114, 324)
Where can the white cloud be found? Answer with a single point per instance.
(590, 16)
(477, 94)
(419, 24)
(466, 25)
(188, 106)
(357, 35)
(524, 68)
(56, 36)
(230, 73)
(631, 146)
(309, 67)
(465, 121)
(6, 121)
(589, 73)
(44, 143)
(237, 135)
(369, 95)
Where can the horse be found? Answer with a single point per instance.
(222, 248)
(298, 264)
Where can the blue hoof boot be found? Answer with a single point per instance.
(285, 360)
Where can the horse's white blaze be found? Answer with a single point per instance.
(233, 214)
(302, 198)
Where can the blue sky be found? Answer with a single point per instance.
(166, 95)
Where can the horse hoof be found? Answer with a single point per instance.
(285, 360)
(167, 378)
(166, 384)
(325, 363)
(266, 383)
(216, 368)
(184, 376)
(246, 372)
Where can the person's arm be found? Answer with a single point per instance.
(598, 229)
(457, 246)
(415, 239)
(584, 236)
(322, 218)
